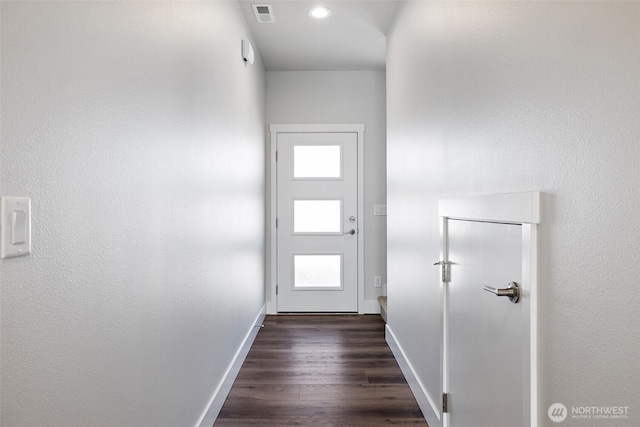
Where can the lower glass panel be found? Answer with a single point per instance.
(317, 271)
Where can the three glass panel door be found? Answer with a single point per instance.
(317, 222)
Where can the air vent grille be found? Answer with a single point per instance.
(264, 13)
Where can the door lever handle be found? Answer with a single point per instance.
(352, 232)
(512, 291)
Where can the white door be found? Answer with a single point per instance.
(488, 374)
(317, 222)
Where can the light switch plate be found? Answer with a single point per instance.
(380, 210)
(15, 216)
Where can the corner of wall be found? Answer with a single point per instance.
(221, 392)
(427, 403)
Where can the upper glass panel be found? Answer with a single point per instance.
(317, 161)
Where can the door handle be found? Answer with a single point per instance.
(352, 232)
(512, 291)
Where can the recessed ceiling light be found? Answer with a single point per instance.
(319, 12)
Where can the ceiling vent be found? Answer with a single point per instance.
(264, 13)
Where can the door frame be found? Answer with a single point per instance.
(512, 208)
(271, 252)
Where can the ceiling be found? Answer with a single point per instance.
(352, 38)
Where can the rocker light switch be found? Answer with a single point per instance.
(16, 227)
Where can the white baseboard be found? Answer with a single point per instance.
(371, 306)
(427, 404)
(224, 387)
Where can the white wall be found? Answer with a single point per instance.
(496, 97)
(138, 132)
(344, 97)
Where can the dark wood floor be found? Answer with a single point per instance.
(320, 371)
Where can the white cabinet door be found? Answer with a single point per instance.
(317, 211)
(488, 335)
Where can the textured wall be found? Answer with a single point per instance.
(138, 132)
(344, 97)
(495, 97)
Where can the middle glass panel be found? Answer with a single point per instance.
(317, 216)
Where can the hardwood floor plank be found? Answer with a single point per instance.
(326, 363)
(300, 377)
(320, 370)
(323, 421)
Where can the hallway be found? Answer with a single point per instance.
(320, 370)
(139, 132)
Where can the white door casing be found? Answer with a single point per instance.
(489, 343)
(297, 244)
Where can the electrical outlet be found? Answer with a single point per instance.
(377, 282)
